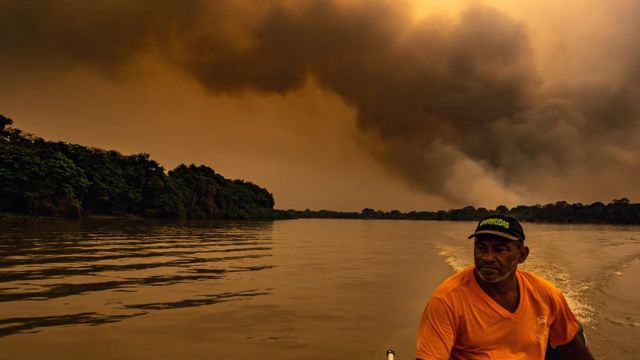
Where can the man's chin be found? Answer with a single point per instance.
(491, 277)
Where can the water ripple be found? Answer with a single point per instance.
(103, 265)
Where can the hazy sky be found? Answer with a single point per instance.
(343, 104)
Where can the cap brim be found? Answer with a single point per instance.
(497, 233)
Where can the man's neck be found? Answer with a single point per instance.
(505, 292)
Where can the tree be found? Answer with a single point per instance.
(502, 209)
(4, 122)
(198, 187)
(43, 177)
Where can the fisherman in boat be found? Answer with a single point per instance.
(493, 310)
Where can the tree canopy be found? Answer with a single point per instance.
(39, 177)
(618, 211)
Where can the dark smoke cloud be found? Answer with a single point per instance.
(455, 108)
(105, 35)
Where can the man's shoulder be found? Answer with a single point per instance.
(455, 285)
(538, 284)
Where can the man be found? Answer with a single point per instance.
(492, 310)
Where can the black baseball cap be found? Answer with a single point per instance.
(503, 226)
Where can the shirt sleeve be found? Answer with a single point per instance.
(437, 331)
(564, 325)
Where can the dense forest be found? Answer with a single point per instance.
(618, 211)
(39, 177)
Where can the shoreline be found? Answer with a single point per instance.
(10, 216)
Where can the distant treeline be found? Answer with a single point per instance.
(39, 177)
(619, 211)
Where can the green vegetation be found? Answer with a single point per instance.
(44, 178)
(619, 211)
(39, 177)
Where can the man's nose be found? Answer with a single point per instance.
(488, 256)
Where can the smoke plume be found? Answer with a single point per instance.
(454, 107)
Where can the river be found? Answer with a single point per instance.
(291, 289)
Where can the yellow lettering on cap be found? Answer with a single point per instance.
(496, 222)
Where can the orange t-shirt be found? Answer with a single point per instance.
(461, 321)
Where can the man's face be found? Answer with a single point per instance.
(496, 258)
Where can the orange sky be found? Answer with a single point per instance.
(157, 81)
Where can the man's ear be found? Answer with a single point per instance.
(524, 253)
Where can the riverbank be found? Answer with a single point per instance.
(618, 211)
(11, 216)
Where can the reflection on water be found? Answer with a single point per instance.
(16, 325)
(209, 299)
(123, 259)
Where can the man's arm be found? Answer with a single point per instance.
(575, 349)
(562, 326)
(437, 331)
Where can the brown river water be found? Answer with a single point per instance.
(291, 289)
